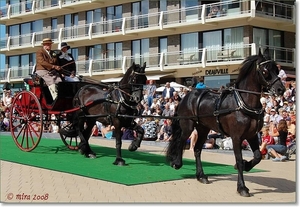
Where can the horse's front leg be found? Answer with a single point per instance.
(119, 160)
(136, 143)
(240, 165)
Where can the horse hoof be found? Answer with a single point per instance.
(245, 193)
(119, 162)
(92, 156)
(204, 180)
(132, 148)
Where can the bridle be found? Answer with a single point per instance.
(263, 73)
(135, 89)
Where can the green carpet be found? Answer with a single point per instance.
(141, 167)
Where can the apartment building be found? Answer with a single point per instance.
(178, 39)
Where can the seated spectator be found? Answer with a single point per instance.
(209, 143)
(95, 131)
(154, 104)
(291, 132)
(157, 111)
(150, 127)
(266, 139)
(181, 92)
(7, 99)
(279, 150)
(128, 134)
(273, 131)
(146, 110)
(291, 106)
(167, 111)
(53, 127)
(176, 96)
(185, 91)
(99, 126)
(171, 104)
(3, 127)
(107, 131)
(166, 132)
(214, 12)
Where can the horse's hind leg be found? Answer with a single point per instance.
(202, 136)
(84, 134)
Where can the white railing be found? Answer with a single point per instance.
(233, 54)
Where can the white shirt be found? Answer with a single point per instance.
(168, 93)
(65, 56)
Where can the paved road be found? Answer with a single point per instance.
(278, 185)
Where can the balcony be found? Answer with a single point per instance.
(38, 9)
(167, 62)
(178, 21)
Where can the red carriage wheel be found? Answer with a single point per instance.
(26, 121)
(71, 142)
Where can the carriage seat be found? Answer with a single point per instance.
(38, 81)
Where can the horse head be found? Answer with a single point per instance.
(268, 74)
(135, 78)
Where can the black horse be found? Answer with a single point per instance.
(236, 112)
(114, 105)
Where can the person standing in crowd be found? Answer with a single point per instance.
(282, 74)
(151, 88)
(48, 67)
(67, 63)
(200, 84)
(168, 91)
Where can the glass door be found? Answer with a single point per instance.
(212, 41)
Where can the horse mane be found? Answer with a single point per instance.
(125, 78)
(246, 67)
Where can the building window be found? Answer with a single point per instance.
(71, 23)
(234, 41)
(140, 51)
(114, 14)
(190, 14)
(272, 39)
(163, 48)
(189, 47)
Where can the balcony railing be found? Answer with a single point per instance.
(231, 54)
(275, 9)
(201, 13)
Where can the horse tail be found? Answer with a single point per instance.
(175, 144)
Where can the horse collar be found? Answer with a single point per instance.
(123, 101)
(245, 108)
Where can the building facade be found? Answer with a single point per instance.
(178, 39)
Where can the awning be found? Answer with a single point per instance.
(157, 77)
(149, 77)
(111, 80)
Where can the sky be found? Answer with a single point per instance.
(2, 34)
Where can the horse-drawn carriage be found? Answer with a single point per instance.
(235, 111)
(31, 110)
